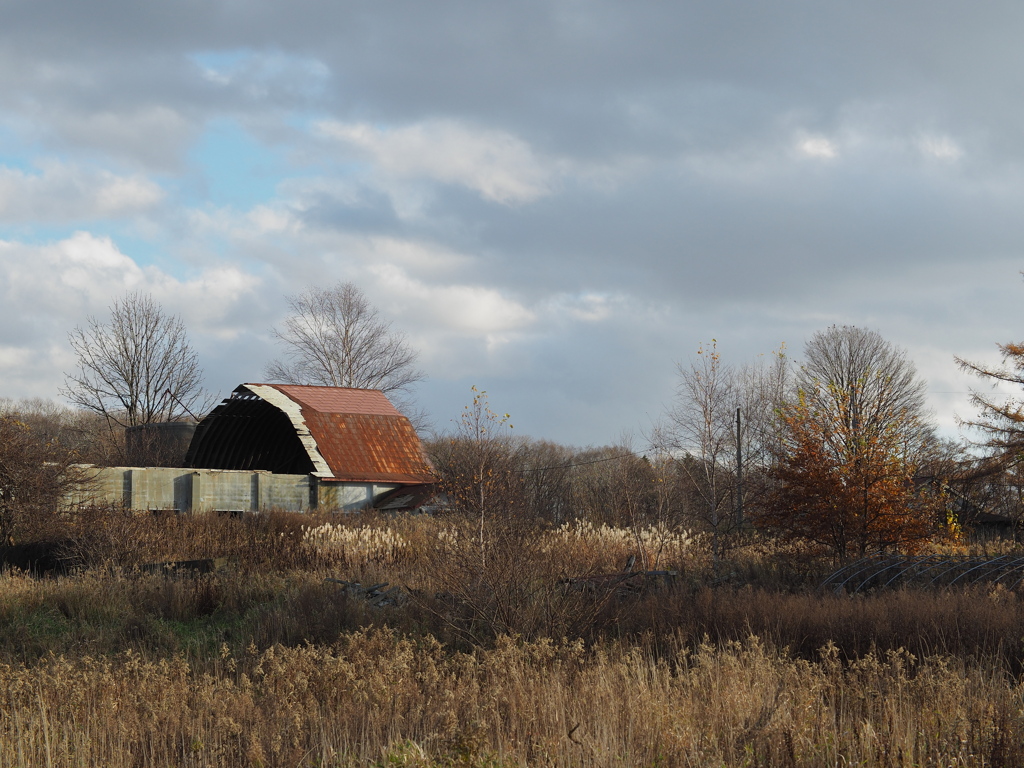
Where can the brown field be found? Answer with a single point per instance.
(488, 660)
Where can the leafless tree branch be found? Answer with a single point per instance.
(335, 337)
(127, 365)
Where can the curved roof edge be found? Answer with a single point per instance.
(350, 434)
(293, 411)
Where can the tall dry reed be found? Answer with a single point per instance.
(375, 698)
(268, 662)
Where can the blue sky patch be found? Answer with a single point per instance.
(235, 169)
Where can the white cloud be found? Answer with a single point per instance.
(863, 137)
(464, 309)
(215, 76)
(418, 257)
(72, 277)
(817, 147)
(84, 273)
(13, 358)
(208, 301)
(587, 307)
(270, 219)
(275, 233)
(49, 289)
(62, 193)
(940, 148)
(260, 73)
(498, 165)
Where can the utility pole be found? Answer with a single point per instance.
(739, 470)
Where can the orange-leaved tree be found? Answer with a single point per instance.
(851, 443)
(848, 491)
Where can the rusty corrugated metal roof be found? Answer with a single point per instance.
(367, 402)
(346, 435)
(369, 448)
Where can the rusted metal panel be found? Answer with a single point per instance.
(369, 448)
(366, 402)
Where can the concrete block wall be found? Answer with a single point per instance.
(292, 492)
(225, 490)
(349, 496)
(204, 490)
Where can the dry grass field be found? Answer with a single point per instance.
(488, 658)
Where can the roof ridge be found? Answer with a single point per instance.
(325, 399)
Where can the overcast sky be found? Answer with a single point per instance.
(555, 201)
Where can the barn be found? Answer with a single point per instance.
(282, 446)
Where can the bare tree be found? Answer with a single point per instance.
(82, 432)
(481, 463)
(719, 435)
(137, 368)
(605, 483)
(761, 390)
(336, 338)
(39, 475)
(701, 425)
(854, 376)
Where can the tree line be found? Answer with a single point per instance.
(835, 449)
